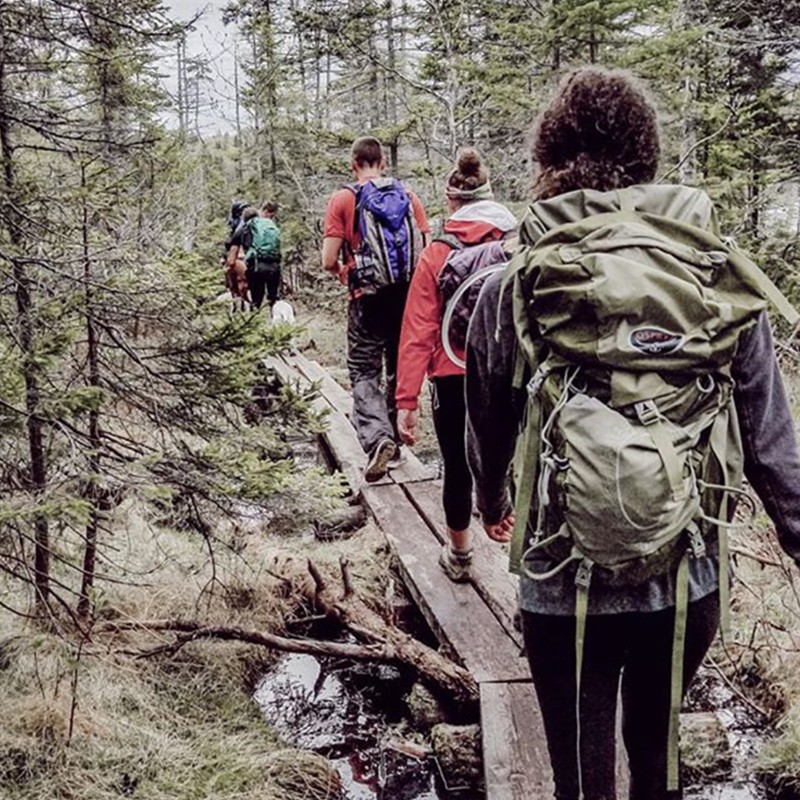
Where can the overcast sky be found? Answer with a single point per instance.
(211, 39)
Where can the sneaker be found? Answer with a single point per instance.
(456, 564)
(398, 459)
(379, 460)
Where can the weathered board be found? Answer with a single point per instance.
(411, 469)
(341, 403)
(339, 435)
(515, 760)
(458, 616)
(494, 583)
(333, 392)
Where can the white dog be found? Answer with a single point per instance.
(282, 311)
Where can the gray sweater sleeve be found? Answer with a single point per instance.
(493, 411)
(772, 464)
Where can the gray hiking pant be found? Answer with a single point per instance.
(373, 336)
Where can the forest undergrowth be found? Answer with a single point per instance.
(93, 719)
(96, 720)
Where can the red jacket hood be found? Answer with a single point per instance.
(480, 221)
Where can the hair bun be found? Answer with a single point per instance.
(469, 162)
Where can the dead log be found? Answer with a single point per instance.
(191, 631)
(348, 609)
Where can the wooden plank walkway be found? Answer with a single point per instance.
(473, 622)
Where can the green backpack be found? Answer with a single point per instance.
(627, 324)
(266, 243)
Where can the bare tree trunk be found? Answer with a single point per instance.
(25, 332)
(95, 442)
(301, 61)
(687, 171)
(181, 89)
(238, 101)
(257, 132)
(318, 77)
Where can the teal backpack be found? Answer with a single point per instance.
(266, 241)
(630, 458)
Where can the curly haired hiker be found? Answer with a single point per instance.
(471, 241)
(374, 231)
(631, 348)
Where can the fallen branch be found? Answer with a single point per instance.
(189, 631)
(380, 640)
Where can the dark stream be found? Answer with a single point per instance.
(356, 716)
(350, 713)
(745, 730)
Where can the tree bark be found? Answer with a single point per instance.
(95, 442)
(349, 610)
(25, 328)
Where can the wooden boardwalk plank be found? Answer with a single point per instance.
(462, 622)
(333, 391)
(412, 469)
(494, 583)
(515, 760)
(339, 435)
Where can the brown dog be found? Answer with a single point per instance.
(236, 281)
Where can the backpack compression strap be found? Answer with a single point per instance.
(466, 284)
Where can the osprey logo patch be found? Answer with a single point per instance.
(655, 341)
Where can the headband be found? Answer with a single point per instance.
(482, 192)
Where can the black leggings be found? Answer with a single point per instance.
(449, 421)
(265, 280)
(639, 648)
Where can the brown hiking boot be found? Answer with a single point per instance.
(379, 460)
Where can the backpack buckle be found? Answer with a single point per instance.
(696, 542)
(583, 575)
(647, 412)
(535, 383)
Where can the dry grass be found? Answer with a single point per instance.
(95, 724)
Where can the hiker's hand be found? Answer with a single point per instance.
(407, 419)
(500, 531)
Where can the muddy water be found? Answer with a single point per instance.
(353, 715)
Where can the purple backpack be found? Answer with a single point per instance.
(390, 239)
(460, 282)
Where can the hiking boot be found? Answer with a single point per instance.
(456, 564)
(378, 462)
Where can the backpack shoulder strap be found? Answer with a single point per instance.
(451, 240)
(355, 189)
